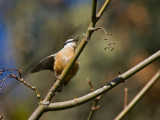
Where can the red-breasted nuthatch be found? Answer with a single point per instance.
(58, 61)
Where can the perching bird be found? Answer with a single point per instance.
(58, 61)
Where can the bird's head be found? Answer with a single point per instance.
(71, 42)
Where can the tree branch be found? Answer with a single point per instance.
(16, 77)
(95, 105)
(139, 96)
(101, 11)
(39, 111)
(93, 14)
(107, 87)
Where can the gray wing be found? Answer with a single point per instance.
(45, 64)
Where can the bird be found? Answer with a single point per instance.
(58, 61)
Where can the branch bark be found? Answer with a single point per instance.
(138, 96)
(121, 78)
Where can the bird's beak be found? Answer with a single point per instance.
(76, 40)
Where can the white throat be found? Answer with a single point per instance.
(72, 44)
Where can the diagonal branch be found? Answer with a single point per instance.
(16, 77)
(75, 57)
(138, 96)
(93, 14)
(41, 108)
(101, 11)
(107, 87)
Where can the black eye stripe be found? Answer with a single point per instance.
(68, 42)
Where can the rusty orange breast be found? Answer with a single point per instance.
(61, 60)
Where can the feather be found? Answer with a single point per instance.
(45, 64)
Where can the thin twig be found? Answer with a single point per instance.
(139, 96)
(27, 84)
(19, 78)
(125, 96)
(3, 81)
(109, 41)
(95, 105)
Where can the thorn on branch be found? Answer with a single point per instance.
(3, 81)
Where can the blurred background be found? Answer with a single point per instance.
(33, 29)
